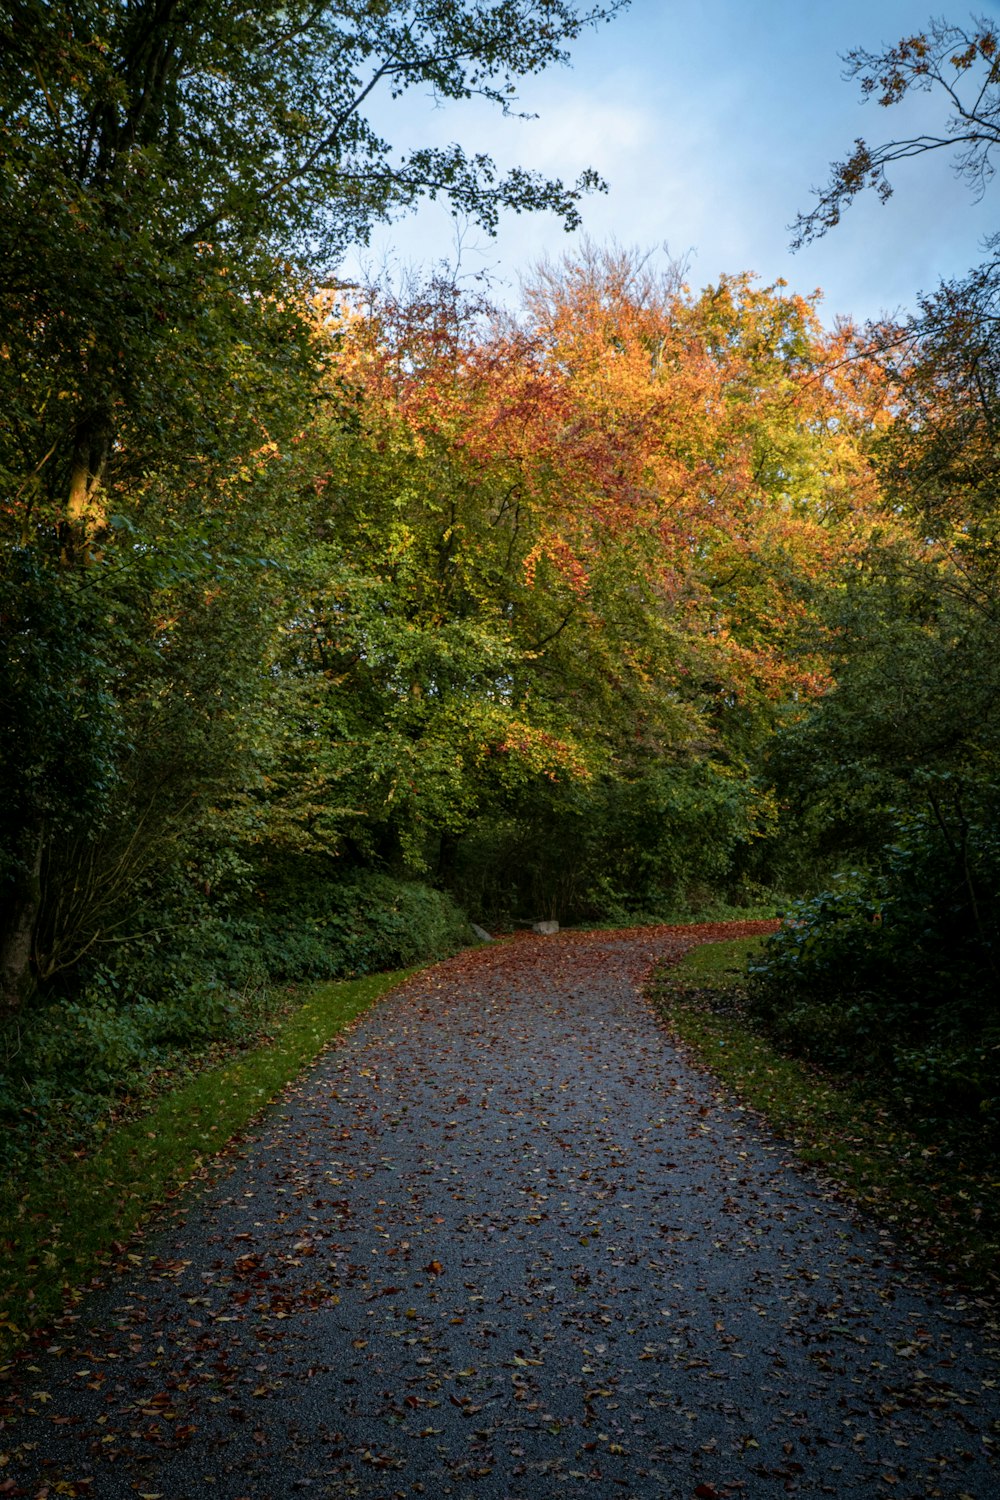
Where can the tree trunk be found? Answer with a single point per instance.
(447, 856)
(85, 515)
(17, 932)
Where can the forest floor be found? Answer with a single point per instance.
(504, 1241)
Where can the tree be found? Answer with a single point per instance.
(893, 777)
(175, 179)
(561, 574)
(417, 641)
(939, 457)
(729, 428)
(960, 63)
(171, 165)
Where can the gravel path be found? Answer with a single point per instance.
(505, 1243)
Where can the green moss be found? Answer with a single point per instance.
(58, 1229)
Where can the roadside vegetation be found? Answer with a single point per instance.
(931, 1181)
(70, 1215)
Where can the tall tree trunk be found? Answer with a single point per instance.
(85, 514)
(18, 917)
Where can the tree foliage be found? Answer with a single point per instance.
(893, 775)
(171, 176)
(561, 558)
(175, 181)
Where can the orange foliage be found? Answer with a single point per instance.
(718, 441)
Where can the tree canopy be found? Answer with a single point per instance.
(176, 173)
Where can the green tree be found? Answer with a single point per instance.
(893, 777)
(175, 179)
(168, 168)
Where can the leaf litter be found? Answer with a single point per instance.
(504, 1241)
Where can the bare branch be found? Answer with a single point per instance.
(961, 66)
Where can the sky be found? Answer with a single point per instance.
(711, 121)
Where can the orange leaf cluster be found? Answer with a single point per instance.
(717, 441)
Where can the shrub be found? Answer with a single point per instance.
(893, 970)
(310, 924)
(201, 980)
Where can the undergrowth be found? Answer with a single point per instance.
(82, 1053)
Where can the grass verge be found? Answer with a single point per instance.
(938, 1205)
(61, 1227)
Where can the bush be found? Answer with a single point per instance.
(892, 972)
(67, 1060)
(308, 923)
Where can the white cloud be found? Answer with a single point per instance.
(711, 126)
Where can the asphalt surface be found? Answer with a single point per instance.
(504, 1243)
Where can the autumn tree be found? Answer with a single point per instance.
(175, 178)
(734, 430)
(588, 540)
(416, 643)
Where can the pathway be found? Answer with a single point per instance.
(505, 1243)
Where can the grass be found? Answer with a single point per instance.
(937, 1204)
(59, 1229)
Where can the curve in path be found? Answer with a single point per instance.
(504, 1242)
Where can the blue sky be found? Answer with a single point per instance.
(711, 123)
